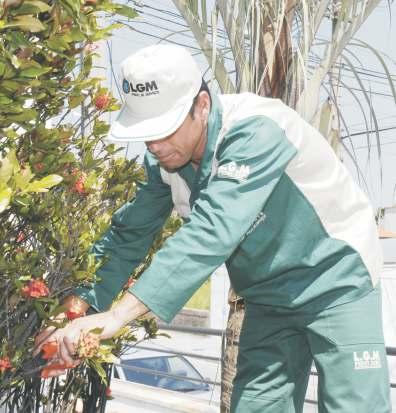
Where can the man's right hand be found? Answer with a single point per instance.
(128, 308)
(74, 307)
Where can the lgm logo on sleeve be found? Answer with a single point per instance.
(233, 171)
(367, 360)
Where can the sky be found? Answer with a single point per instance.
(375, 173)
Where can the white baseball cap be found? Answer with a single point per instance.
(159, 85)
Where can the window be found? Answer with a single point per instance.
(150, 378)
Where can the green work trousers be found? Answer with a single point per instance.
(277, 348)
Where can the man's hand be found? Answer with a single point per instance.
(74, 307)
(67, 338)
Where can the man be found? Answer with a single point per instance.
(262, 191)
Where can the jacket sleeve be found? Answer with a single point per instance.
(129, 237)
(252, 158)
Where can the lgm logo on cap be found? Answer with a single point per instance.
(140, 89)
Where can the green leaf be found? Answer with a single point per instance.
(14, 161)
(95, 364)
(23, 178)
(108, 358)
(40, 5)
(18, 39)
(91, 180)
(74, 6)
(57, 43)
(15, 62)
(26, 115)
(26, 8)
(10, 133)
(106, 32)
(26, 23)
(26, 64)
(5, 198)
(56, 323)
(100, 128)
(8, 71)
(42, 185)
(2, 68)
(97, 330)
(40, 310)
(10, 85)
(15, 108)
(74, 101)
(4, 100)
(35, 71)
(76, 35)
(6, 170)
(67, 157)
(58, 309)
(80, 275)
(126, 11)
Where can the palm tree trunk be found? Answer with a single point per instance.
(276, 54)
(230, 349)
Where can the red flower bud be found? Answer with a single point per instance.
(91, 47)
(20, 237)
(101, 102)
(79, 185)
(39, 166)
(4, 364)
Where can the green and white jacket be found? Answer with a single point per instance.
(270, 199)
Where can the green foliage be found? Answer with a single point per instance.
(201, 299)
(59, 184)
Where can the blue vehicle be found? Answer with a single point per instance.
(160, 369)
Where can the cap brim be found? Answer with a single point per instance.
(128, 128)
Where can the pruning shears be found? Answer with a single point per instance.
(39, 363)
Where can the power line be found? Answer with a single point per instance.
(365, 132)
(170, 41)
(221, 34)
(362, 71)
(381, 119)
(368, 146)
(368, 91)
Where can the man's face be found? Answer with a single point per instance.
(186, 144)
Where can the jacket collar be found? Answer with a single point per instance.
(205, 167)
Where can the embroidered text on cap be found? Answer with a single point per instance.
(140, 89)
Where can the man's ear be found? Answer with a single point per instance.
(203, 103)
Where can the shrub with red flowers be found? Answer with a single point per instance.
(59, 184)
(34, 289)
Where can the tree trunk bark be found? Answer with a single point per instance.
(230, 349)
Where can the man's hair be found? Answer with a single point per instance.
(204, 87)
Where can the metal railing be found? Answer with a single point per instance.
(163, 374)
(390, 351)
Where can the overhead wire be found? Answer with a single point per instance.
(177, 20)
(222, 33)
